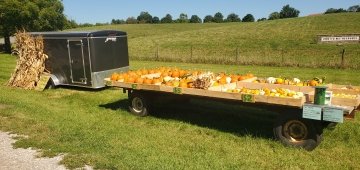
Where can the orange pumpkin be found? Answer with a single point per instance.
(130, 80)
(168, 83)
(250, 75)
(234, 78)
(222, 74)
(222, 80)
(151, 71)
(139, 72)
(183, 84)
(182, 73)
(190, 85)
(144, 71)
(161, 79)
(162, 69)
(313, 83)
(125, 76)
(175, 73)
(164, 74)
(195, 73)
(139, 80)
(241, 77)
(147, 81)
(120, 77)
(131, 73)
(113, 77)
(155, 81)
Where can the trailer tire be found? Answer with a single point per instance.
(138, 104)
(297, 132)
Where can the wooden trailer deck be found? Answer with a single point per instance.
(348, 104)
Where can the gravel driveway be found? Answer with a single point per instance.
(24, 159)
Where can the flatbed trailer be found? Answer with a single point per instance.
(300, 122)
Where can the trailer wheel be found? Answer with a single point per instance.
(295, 131)
(138, 105)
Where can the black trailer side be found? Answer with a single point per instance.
(84, 58)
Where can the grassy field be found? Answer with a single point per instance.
(285, 42)
(94, 127)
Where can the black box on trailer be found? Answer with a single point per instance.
(84, 58)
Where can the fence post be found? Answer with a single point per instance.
(157, 53)
(237, 55)
(282, 57)
(191, 53)
(343, 58)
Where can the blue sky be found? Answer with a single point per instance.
(93, 11)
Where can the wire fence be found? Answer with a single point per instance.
(328, 57)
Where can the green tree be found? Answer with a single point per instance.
(354, 8)
(233, 18)
(155, 20)
(70, 24)
(195, 19)
(333, 10)
(261, 19)
(274, 15)
(330, 10)
(131, 20)
(167, 19)
(289, 12)
(208, 18)
(35, 15)
(183, 18)
(117, 21)
(86, 25)
(218, 17)
(248, 18)
(101, 24)
(144, 17)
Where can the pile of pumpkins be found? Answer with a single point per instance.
(173, 76)
(295, 81)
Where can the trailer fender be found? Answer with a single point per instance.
(55, 80)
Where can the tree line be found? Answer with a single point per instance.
(146, 17)
(286, 12)
(47, 15)
(354, 8)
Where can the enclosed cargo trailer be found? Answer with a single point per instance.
(84, 58)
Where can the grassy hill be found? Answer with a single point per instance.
(278, 42)
(94, 127)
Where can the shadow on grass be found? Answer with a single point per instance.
(85, 89)
(230, 118)
(122, 104)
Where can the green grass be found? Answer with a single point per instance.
(285, 42)
(95, 128)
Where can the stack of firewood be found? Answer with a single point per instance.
(31, 61)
